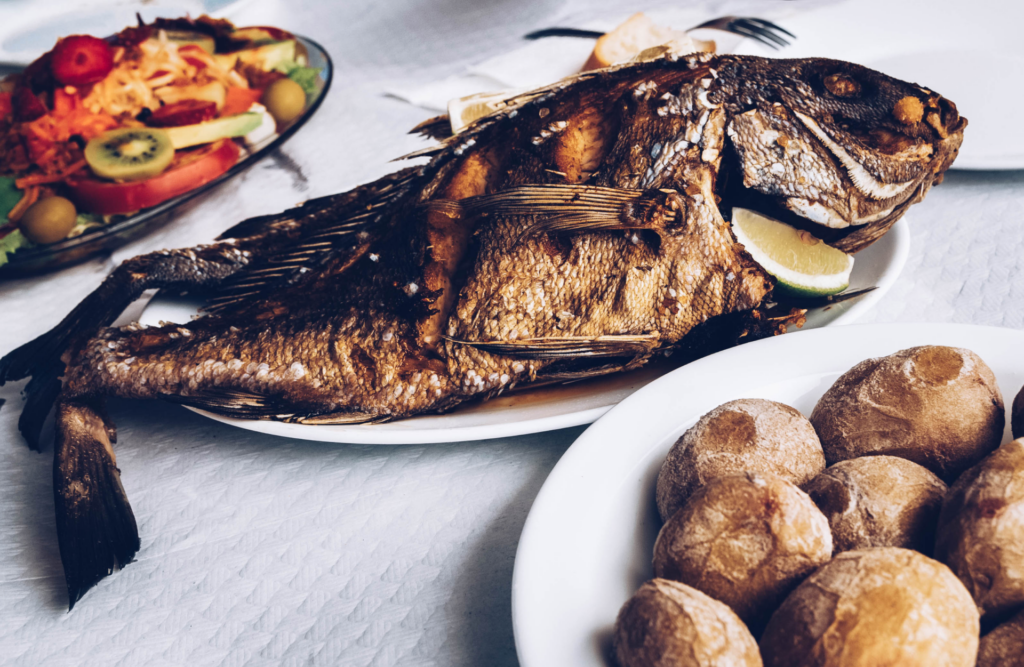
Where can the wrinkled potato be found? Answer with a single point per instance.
(883, 606)
(746, 540)
(879, 501)
(669, 624)
(936, 406)
(981, 529)
(1004, 645)
(748, 435)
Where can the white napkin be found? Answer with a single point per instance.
(540, 62)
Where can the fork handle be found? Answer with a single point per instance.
(563, 32)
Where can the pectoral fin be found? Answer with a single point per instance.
(567, 208)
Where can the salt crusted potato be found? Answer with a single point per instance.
(747, 435)
(981, 530)
(883, 606)
(746, 540)
(879, 501)
(669, 624)
(1003, 646)
(936, 406)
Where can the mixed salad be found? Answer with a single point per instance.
(98, 128)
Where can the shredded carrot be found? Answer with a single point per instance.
(42, 179)
(30, 197)
(69, 117)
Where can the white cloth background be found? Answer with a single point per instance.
(258, 550)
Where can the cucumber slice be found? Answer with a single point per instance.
(212, 130)
(130, 153)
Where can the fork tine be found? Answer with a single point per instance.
(764, 32)
(762, 35)
(746, 31)
(770, 26)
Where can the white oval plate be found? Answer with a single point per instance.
(554, 407)
(587, 543)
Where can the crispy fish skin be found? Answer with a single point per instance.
(577, 232)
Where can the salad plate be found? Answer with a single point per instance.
(556, 406)
(120, 229)
(587, 542)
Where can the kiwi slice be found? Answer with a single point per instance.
(129, 153)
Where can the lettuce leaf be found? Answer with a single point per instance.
(9, 197)
(12, 242)
(304, 76)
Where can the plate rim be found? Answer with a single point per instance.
(741, 360)
(404, 432)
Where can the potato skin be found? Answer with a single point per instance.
(1004, 645)
(669, 624)
(746, 540)
(937, 406)
(879, 501)
(746, 435)
(981, 529)
(877, 607)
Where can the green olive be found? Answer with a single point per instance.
(284, 99)
(48, 220)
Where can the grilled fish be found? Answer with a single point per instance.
(576, 232)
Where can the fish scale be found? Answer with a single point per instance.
(577, 231)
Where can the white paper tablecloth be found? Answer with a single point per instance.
(259, 550)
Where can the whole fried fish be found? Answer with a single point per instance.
(576, 232)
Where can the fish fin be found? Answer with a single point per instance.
(96, 529)
(247, 405)
(313, 212)
(339, 418)
(40, 358)
(822, 301)
(40, 393)
(561, 347)
(438, 127)
(337, 229)
(569, 208)
(233, 403)
(562, 376)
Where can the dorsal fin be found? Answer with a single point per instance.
(339, 227)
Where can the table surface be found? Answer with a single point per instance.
(262, 550)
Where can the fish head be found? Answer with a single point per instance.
(833, 147)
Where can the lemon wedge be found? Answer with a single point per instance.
(464, 110)
(802, 264)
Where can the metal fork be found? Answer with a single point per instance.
(759, 30)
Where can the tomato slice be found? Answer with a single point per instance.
(189, 170)
(183, 112)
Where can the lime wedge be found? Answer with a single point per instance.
(802, 264)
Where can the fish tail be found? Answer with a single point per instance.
(96, 529)
(40, 393)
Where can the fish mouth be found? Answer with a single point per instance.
(845, 184)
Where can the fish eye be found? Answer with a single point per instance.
(842, 85)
